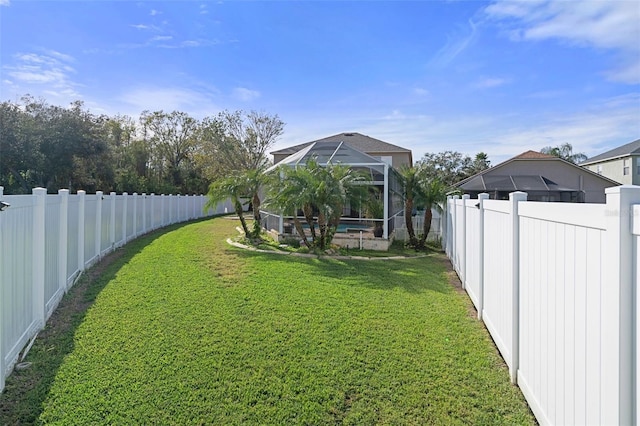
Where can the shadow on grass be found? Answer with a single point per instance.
(413, 274)
(25, 391)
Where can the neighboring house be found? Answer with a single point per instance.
(543, 177)
(383, 151)
(621, 164)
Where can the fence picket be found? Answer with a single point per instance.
(79, 230)
(566, 273)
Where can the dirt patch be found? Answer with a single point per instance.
(454, 281)
(76, 301)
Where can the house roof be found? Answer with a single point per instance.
(632, 148)
(532, 155)
(362, 143)
(333, 152)
(528, 156)
(512, 183)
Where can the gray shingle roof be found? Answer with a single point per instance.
(358, 141)
(621, 151)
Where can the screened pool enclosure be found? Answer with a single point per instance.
(378, 172)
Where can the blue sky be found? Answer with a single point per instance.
(500, 77)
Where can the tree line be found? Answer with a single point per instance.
(159, 152)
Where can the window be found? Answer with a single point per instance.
(599, 169)
(625, 166)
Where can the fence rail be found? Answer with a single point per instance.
(556, 285)
(48, 240)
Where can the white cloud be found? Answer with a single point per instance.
(245, 95)
(490, 82)
(455, 46)
(198, 103)
(419, 91)
(154, 12)
(145, 27)
(5, 2)
(593, 129)
(611, 25)
(48, 72)
(161, 38)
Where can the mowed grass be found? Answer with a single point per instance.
(189, 330)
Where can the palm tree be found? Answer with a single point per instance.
(290, 191)
(335, 186)
(255, 180)
(325, 189)
(410, 179)
(565, 151)
(234, 187)
(433, 194)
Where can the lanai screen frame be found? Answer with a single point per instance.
(391, 185)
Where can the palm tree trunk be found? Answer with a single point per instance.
(300, 229)
(408, 220)
(322, 224)
(238, 208)
(307, 210)
(426, 227)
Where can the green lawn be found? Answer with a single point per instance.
(185, 329)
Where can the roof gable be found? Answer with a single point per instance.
(360, 142)
(621, 151)
(532, 156)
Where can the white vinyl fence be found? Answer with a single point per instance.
(557, 286)
(48, 240)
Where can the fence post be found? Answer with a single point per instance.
(177, 201)
(454, 250)
(63, 240)
(463, 261)
(514, 199)
(152, 216)
(38, 253)
(144, 213)
(446, 234)
(481, 198)
(135, 215)
(617, 307)
(81, 208)
(163, 222)
(98, 247)
(112, 221)
(170, 209)
(2, 365)
(125, 196)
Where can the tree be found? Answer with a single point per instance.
(335, 186)
(480, 162)
(410, 180)
(234, 141)
(565, 151)
(433, 194)
(325, 189)
(234, 187)
(237, 141)
(450, 167)
(172, 137)
(291, 190)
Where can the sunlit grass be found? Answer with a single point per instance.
(189, 330)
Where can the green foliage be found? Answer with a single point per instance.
(421, 189)
(162, 152)
(450, 167)
(190, 331)
(323, 189)
(565, 151)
